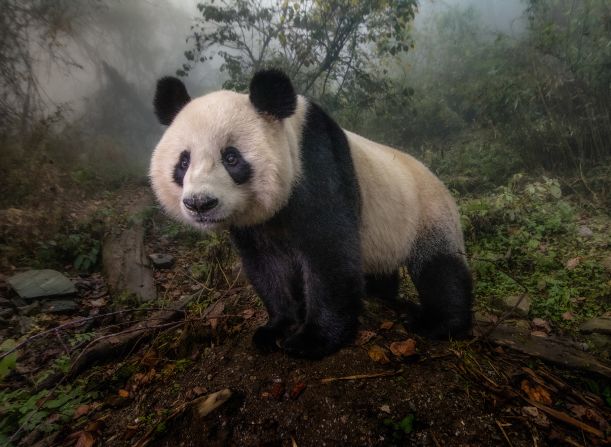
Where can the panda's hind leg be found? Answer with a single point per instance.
(444, 287)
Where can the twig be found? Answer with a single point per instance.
(503, 431)
(75, 323)
(362, 376)
(566, 418)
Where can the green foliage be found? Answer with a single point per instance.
(523, 235)
(401, 428)
(8, 362)
(43, 411)
(79, 246)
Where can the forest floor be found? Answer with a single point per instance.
(196, 380)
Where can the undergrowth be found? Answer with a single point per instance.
(526, 237)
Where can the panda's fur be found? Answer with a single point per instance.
(320, 216)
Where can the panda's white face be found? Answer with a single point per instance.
(222, 163)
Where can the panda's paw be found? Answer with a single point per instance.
(435, 327)
(265, 339)
(309, 343)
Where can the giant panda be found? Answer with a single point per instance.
(320, 216)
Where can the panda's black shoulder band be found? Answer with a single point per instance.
(170, 97)
(272, 93)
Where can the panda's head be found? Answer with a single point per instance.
(227, 159)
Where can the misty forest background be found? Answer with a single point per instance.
(507, 101)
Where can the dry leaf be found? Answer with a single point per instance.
(378, 354)
(536, 393)
(385, 409)
(205, 405)
(386, 325)
(85, 439)
(538, 334)
(403, 348)
(123, 393)
(81, 410)
(567, 316)
(363, 337)
(572, 263)
(539, 324)
(297, 390)
(248, 313)
(538, 417)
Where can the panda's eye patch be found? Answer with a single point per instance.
(181, 167)
(237, 167)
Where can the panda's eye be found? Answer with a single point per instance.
(185, 160)
(231, 156)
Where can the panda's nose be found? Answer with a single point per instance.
(200, 204)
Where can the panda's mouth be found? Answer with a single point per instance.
(207, 220)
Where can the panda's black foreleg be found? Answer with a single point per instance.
(445, 291)
(333, 302)
(277, 279)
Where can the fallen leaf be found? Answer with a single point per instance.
(123, 393)
(277, 391)
(213, 312)
(205, 405)
(297, 390)
(403, 348)
(567, 316)
(385, 409)
(578, 410)
(248, 313)
(536, 393)
(539, 324)
(538, 417)
(100, 302)
(84, 438)
(386, 325)
(538, 334)
(363, 337)
(378, 354)
(81, 410)
(572, 263)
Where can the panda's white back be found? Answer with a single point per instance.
(401, 201)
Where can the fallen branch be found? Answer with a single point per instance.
(76, 322)
(110, 346)
(566, 418)
(362, 376)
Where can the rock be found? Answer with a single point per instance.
(600, 325)
(584, 232)
(161, 260)
(522, 309)
(60, 306)
(41, 283)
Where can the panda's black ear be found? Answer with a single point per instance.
(272, 93)
(170, 97)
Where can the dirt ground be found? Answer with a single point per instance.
(470, 393)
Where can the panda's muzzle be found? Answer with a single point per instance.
(200, 204)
